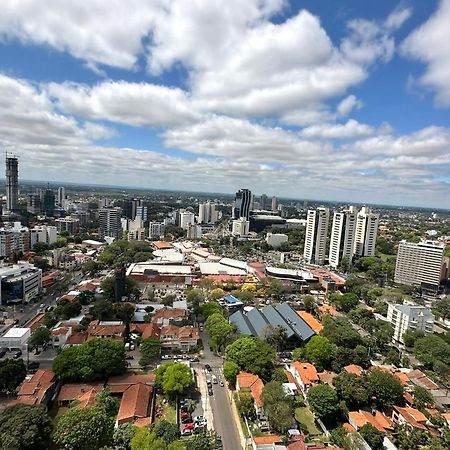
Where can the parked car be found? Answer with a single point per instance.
(129, 357)
(208, 367)
(199, 419)
(166, 357)
(186, 432)
(17, 354)
(198, 427)
(188, 426)
(221, 383)
(210, 391)
(187, 419)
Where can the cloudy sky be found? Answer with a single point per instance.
(335, 100)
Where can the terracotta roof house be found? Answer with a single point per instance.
(382, 423)
(60, 336)
(420, 379)
(327, 309)
(39, 389)
(106, 329)
(135, 405)
(305, 374)
(76, 339)
(264, 442)
(409, 416)
(146, 330)
(354, 369)
(120, 383)
(73, 391)
(87, 399)
(167, 315)
(327, 377)
(311, 321)
(179, 337)
(253, 383)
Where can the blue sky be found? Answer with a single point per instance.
(318, 99)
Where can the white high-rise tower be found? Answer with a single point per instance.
(343, 233)
(366, 232)
(316, 235)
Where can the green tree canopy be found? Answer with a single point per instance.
(24, 427)
(230, 371)
(252, 355)
(219, 330)
(41, 336)
(12, 373)
(149, 348)
(166, 430)
(340, 332)
(386, 388)
(352, 389)
(122, 436)
(344, 302)
(65, 309)
(278, 406)
(372, 436)
(324, 401)
(84, 429)
(320, 351)
(410, 337)
(211, 308)
(423, 397)
(173, 378)
(441, 308)
(96, 359)
(431, 348)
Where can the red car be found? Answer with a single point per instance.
(188, 426)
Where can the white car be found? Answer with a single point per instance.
(199, 419)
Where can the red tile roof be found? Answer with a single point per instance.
(87, 399)
(413, 416)
(354, 369)
(252, 382)
(311, 321)
(307, 372)
(72, 391)
(77, 338)
(32, 391)
(261, 440)
(169, 313)
(121, 383)
(135, 403)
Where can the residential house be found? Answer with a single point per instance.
(411, 417)
(354, 369)
(76, 338)
(179, 337)
(39, 389)
(73, 391)
(135, 405)
(106, 329)
(166, 316)
(120, 383)
(251, 382)
(60, 336)
(305, 374)
(380, 421)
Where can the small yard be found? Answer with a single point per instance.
(305, 417)
(165, 410)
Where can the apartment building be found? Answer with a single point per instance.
(343, 234)
(316, 235)
(366, 232)
(409, 317)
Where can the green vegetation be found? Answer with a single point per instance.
(24, 427)
(385, 388)
(40, 337)
(324, 402)
(278, 406)
(306, 420)
(220, 331)
(173, 378)
(12, 373)
(149, 349)
(96, 359)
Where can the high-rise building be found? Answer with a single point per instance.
(240, 227)
(366, 232)
(156, 230)
(409, 317)
(274, 204)
(109, 221)
(187, 218)
(141, 213)
(316, 235)
(48, 205)
(12, 184)
(43, 233)
(61, 196)
(207, 213)
(242, 204)
(343, 233)
(420, 264)
(264, 202)
(68, 224)
(119, 284)
(14, 239)
(194, 231)
(34, 204)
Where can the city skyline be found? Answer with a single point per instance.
(199, 98)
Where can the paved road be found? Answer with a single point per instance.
(224, 422)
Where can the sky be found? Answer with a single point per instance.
(334, 100)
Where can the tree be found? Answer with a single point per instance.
(168, 299)
(352, 389)
(166, 430)
(230, 371)
(276, 336)
(40, 248)
(24, 427)
(337, 436)
(149, 348)
(298, 354)
(84, 429)
(344, 302)
(423, 397)
(431, 348)
(340, 332)
(320, 351)
(65, 309)
(441, 308)
(219, 330)
(40, 337)
(12, 373)
(324, 401)
(204, 441)
(96, 359)
(90, 266)
(252, 355)
(372, 436)
(86, 297)
(176, 379)
(278, 406)
(386, 388)
(210, 308)
(309, 303)
(246, 404)
(107, 403)
(102, 310)
(122, 436)
(279, 375)
(410, 337)
(276, 289)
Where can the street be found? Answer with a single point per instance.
(224, 423)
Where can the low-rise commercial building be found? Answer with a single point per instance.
(276, 239)
(15, 338)
(19, 283)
